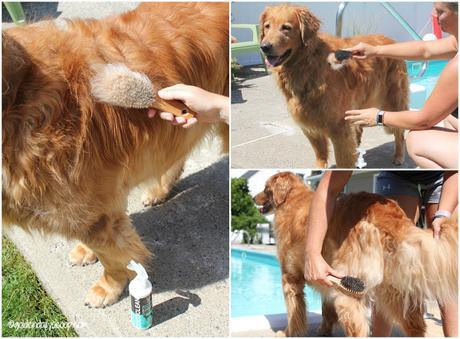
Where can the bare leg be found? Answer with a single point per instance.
(430, 210)
(158, 189)
(320, 146)
(410, 205)
(449, 315)
(115, 243)
(451, 123)
(433, 148)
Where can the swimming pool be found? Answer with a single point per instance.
(422, 87)
(256, 285)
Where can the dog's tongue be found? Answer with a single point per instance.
(272, 61)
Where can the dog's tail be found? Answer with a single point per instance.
(425, 268)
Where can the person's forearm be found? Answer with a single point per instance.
(416, 120)
(411, 50)
(317, 222)
(321, 208)
(449, 195)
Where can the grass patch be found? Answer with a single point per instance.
(25, 301)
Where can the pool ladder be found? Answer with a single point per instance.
(394, 14)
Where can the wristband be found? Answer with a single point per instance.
(379, 118)
(442, 214)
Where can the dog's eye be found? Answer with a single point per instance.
(286, 27)
(267, 25)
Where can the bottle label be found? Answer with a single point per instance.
(142, 312)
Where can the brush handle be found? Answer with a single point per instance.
(334, 280)
(176, 107)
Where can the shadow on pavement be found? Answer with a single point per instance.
(35, 11)
(174, 307)
(188, 234)
(382, 156)
(250, 72)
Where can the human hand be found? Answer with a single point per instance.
(316, 270)
(363, 117)
(436, 225)
(363, 51)
(208, 106)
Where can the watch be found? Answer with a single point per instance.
(379, 118)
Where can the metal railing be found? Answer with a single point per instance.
(394, 14)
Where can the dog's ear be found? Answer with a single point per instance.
(280, 188)
(15, 65)
(309, 25)
(262, 19)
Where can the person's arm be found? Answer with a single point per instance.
(321, 209)
(448, 201)
(210, 107)
(412, 50)
(442, 101)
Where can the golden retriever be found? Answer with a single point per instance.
(369, 237)
(318, 95)
(69, 162)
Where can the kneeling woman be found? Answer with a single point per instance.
(429, 146)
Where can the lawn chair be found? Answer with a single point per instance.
(16, 13)
(248, 47)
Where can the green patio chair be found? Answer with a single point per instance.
(247, 47)
(16, 12)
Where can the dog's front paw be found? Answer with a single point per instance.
(101, 295)
(81, 255)
(150, 198)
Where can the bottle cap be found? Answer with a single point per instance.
(141, 281)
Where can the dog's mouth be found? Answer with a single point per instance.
(265, 208)
(276, 60)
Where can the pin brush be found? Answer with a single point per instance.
(354, 287)
(117, 85)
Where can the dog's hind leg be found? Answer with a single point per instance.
(351, 313)
(115, 242)
(320, 146)
(329, 319)
(397, 99)
(158, 188)
(390, 302)
(82, 255)
(295, 304)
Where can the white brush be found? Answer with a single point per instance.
(117, 85)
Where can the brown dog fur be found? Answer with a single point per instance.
(318, 96)
(369, 237)
(70, 162)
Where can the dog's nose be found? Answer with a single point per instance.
(266, 47)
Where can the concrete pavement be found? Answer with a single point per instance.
(265, 136)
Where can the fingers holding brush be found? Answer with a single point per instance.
(178, 121)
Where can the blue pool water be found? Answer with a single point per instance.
(428, 81)
(256, 285)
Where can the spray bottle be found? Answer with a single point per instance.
(140, 290)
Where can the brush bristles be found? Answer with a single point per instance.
(117, 85)
(353, 284)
